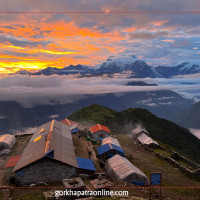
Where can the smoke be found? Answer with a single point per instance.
(139, 127)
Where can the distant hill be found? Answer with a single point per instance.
(161, 130)
(190, 118)
(163, 103)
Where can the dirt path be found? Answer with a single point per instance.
(80, 146)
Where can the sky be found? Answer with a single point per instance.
(39, 39)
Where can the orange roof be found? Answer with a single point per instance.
(68, 122)
(12, 161)
(99, 127)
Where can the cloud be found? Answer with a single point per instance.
(41, 90)
(158, 38)
(147, 35)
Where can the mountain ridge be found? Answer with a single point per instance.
(122, 62)
(125, 121)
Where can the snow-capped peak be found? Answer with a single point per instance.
(23, 71)
(120, 59)
(189, 64)
(123, 58)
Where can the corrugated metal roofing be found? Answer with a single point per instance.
(84, 163)
(8, 139)
(111, 140)
(120, 168)
(139, 130)
(12, 161)
(69, 122)
(56, 136)
(74, 130)
(146, 140)
(99, 127)
(107, 147)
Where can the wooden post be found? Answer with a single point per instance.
(150, 193)
(150, 189)
(160, 195)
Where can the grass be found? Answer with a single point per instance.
(32, 197)
(1, 194)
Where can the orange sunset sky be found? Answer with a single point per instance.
(34, 41)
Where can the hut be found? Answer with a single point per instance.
(147, 141)
(137, 132)
(108, 150)
(111, 140)
(121, 169)
(10, 165)
(7, 141)
(99, 131)
(85, 166)
(48, 157)
(73, 125)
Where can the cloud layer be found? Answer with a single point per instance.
(43, 90)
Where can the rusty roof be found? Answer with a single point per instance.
(56, 136)
(69, 122)
(12, 161)
(99, 127)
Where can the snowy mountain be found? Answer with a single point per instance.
(120, 63)
(72, 69)
(22, 72)
(187, 67)
(126, 61)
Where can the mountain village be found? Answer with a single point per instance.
(70, 154)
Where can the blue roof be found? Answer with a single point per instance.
(107, 147)
(74, 130)
(84, 163)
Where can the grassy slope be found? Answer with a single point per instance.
(162, 130)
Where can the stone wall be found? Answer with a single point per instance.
(177, 156)
(174, 158)
(44, 170)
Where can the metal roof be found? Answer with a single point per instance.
(12, 161)
(69, 122)
(144, 139)
(8, 139)
(54, 136)
(74, 130)
(139, 130)
(107, 147)
(120, 168)
(99, 127)
(111, 140)
(84, 163)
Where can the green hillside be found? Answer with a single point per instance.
(161, 130)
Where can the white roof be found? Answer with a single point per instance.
(138, 130)
(8, 139)
(120, 168)
(144, 139)
(111, 140)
